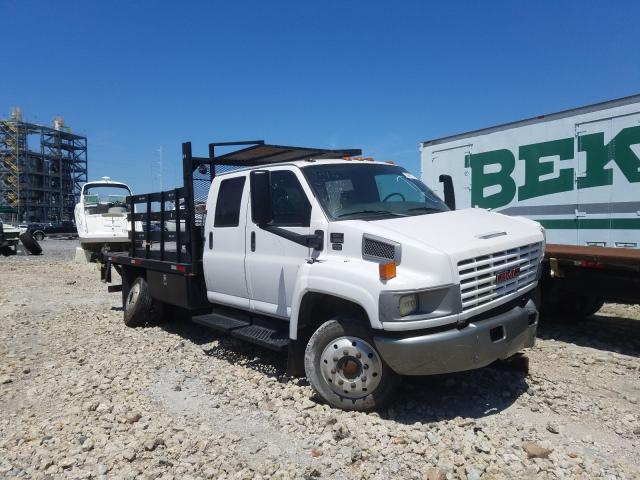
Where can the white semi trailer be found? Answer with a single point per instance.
(577, 172)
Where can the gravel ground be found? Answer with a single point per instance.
(83, 396)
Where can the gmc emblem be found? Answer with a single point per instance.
(507, 275)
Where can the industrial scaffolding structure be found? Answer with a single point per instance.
(42, 170)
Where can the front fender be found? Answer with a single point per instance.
(356, 281)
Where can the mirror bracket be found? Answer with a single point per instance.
(315, 241)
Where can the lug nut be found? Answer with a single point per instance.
(333, 370)
(340, 382)
(363, 378)
(353, 385)
(365, 366)
(335, 359)
(358, 355)
(345, 352)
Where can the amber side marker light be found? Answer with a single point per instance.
(387, 270)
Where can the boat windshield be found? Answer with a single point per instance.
(364, 191)
(106, 199)
(112, 195)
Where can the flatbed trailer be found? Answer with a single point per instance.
(592, 272)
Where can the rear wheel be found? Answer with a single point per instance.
(345, 369)
(139, 308)
(39, 236)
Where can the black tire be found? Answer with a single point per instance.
(575, 307)
(138, 304)
(361, 398)
(591, 306)
(38, 235)
(30, 243)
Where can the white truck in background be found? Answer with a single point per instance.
(353, 267)
(577, 173)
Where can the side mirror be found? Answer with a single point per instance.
(260, 185)
(449, 194)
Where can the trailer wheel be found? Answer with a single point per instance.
(30, 243)
(591, 306)
(574, 306)
(345, 369)
(138, 304)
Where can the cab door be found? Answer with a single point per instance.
(224, 250)
(273, 262)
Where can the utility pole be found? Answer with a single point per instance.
(160, 151)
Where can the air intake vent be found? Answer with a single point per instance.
(375, 249)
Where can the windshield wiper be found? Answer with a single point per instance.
(424, 209)
(371, 212)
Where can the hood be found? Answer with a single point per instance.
(460, 234)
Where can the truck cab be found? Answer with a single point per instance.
(362, 273)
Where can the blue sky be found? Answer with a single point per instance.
(382, 76)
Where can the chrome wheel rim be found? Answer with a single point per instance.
(351, 367)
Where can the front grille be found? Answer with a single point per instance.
(478, 276)
(377, 249)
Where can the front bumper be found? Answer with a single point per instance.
(474, 346)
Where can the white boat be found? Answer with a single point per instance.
(101, 215)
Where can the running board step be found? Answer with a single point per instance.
(221, 322)
(263, 336)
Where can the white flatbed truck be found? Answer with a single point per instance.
(354, 267)
(576, 172)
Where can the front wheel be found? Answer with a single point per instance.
(345, 369)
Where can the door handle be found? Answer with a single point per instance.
(210, 240)
(253, 241)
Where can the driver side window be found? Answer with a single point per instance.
(289, 202)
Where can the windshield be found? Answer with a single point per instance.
(106, 194)
(369, 191)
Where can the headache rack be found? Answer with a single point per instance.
(167, 227)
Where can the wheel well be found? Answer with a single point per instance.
(317, 308)
(129, 275)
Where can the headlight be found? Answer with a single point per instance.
(408, 304)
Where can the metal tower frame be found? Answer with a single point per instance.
(42, 170)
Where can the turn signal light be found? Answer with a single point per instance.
(387, 270)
